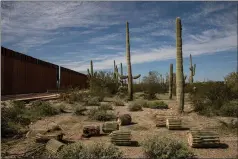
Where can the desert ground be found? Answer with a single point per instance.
(144, 126)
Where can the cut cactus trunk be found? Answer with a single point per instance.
(161, 122)
(53, 146)
(121, 138)
(124, 119)
(43, 138)
(175, 124)
(109, 127)
(203, 139)
(91, 130)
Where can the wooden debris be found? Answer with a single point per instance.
(124, 119)
(121, 138)
(91, 130)
(203, 139)
(43, 138)
(108, 127)
(53, 146)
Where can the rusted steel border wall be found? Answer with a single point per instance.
(22, 74)
(70, 78)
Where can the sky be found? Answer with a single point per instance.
(70, 34)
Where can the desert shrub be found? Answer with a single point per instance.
(61, 108)
(74, 95)
(229, 109)
(209, 97)
(165, 148)
(97, 150)
(106, 106)
(142, 103)
(101, 115)
(42, 108)
(15, 118)
(134, 106)
(79, 109)
(231, 82)
(122, 92)
(103, 84)
(152, 84)
(94, 101)
(118, 102)
(158, 105)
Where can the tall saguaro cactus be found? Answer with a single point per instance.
(192, 69)
(129, 71)
(179, 67)
(170, 81)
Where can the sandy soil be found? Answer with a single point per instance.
(144, 127)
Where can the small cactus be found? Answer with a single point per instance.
(192, 70)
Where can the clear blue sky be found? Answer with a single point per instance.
(71, 34)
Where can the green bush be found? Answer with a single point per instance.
(158, 105)
(79, 110)
(209, 98)
(105, 106)
(97, 150)
(15, 118)
(142, 103)
(230, 109)
(134, 107)
(101, 115)
(94, 101)
(165, 148)
(118, 102)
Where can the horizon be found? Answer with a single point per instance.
(66, 32)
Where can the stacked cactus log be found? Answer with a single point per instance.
(192, 70)
(129, 70)
(124, 119)
(174, 124)
(161, 122)
(91, 130)
(179, 67)
(53, 146)
(109, 127)
(170, 81)
(203, 139)
(121, 138)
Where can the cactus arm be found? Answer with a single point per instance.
(194, 68)
(135, 77)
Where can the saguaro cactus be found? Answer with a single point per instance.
(91, 73)
(170, 81)
(179, 67)
(129, 71)
(192, 69)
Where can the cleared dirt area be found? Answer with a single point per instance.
(144, 126)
